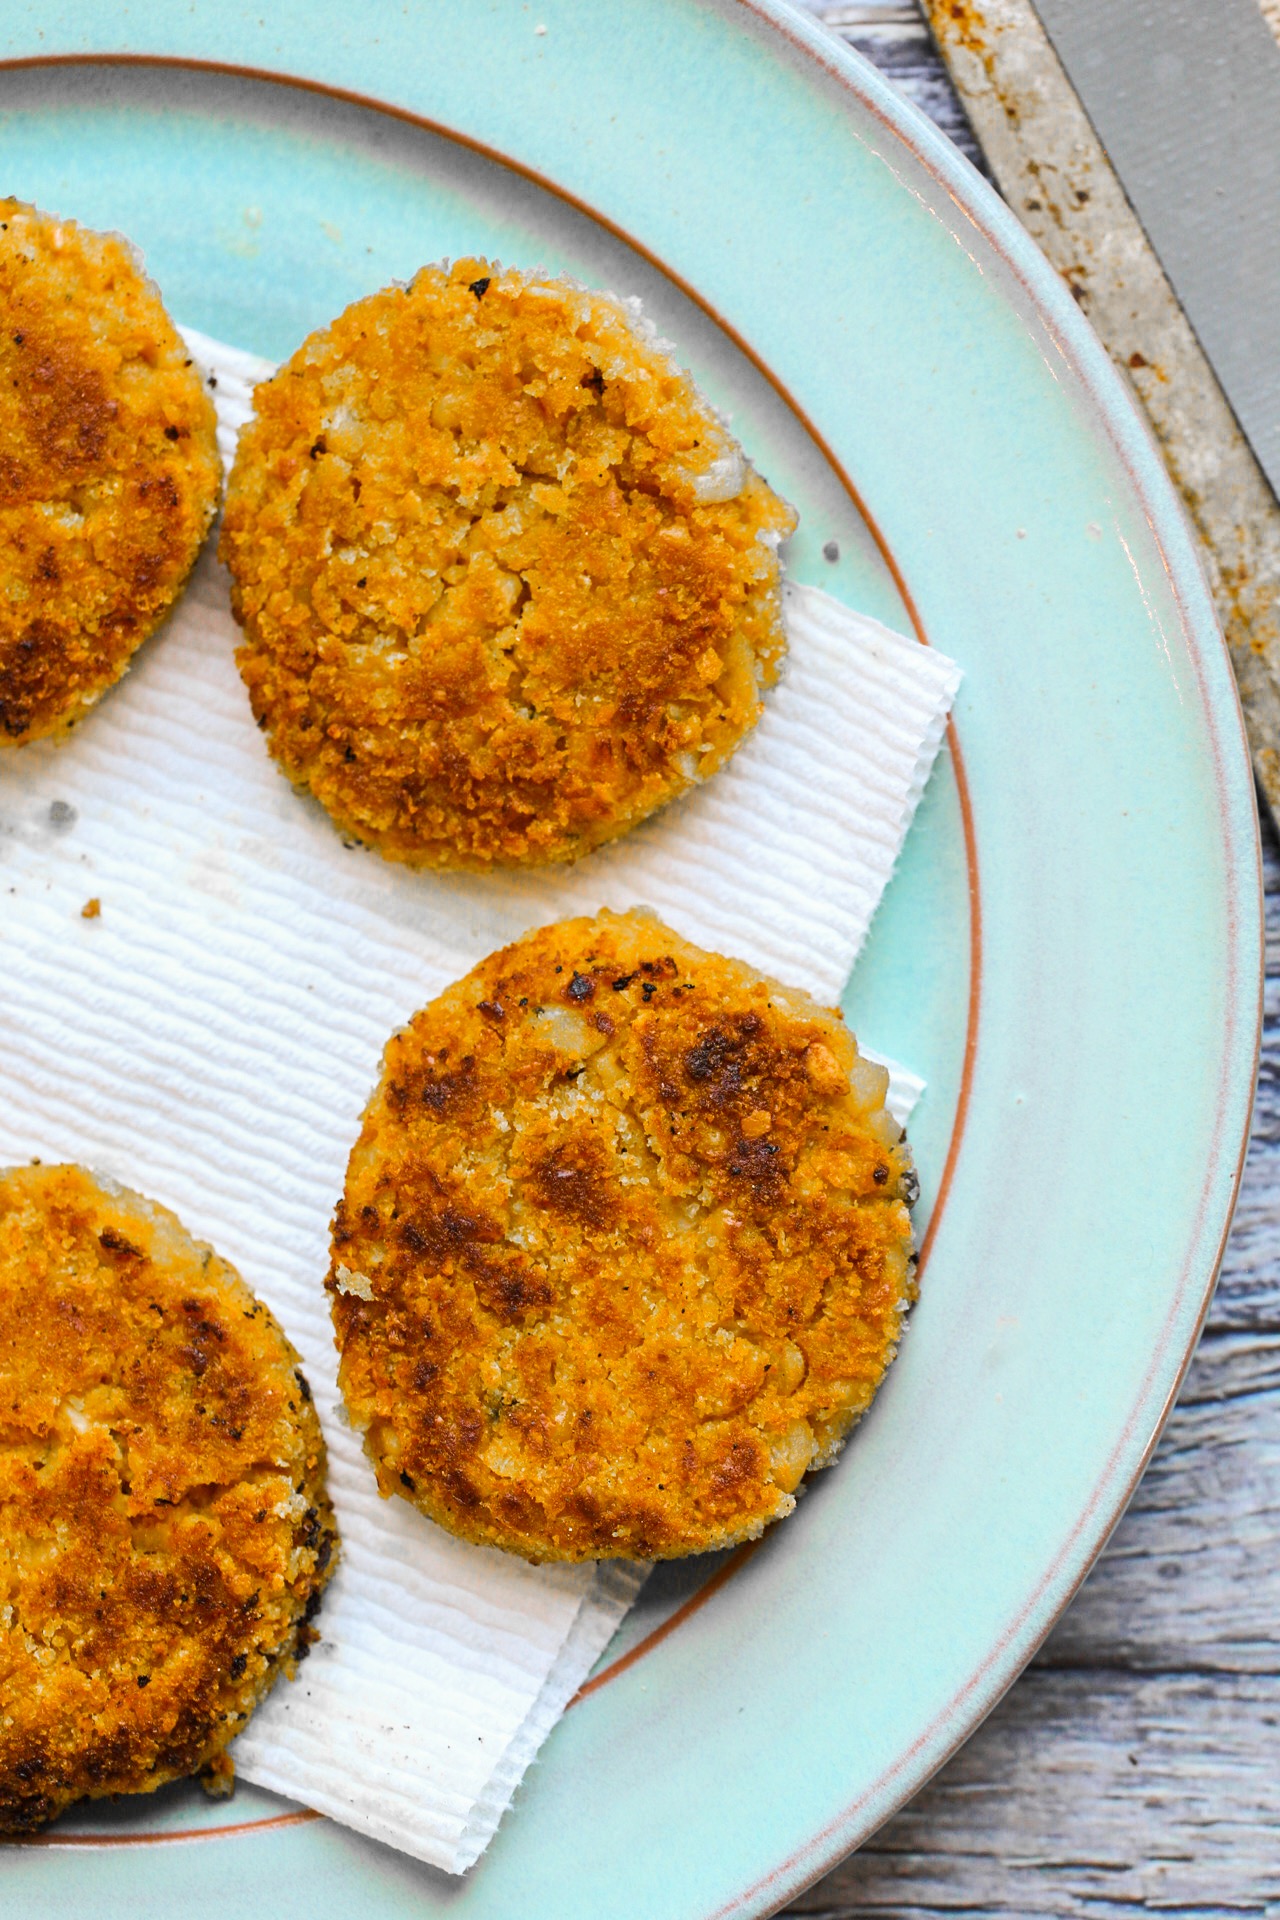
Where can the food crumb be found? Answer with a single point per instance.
(91, 909)
(831, 551)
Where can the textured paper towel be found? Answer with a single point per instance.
(211, 1039)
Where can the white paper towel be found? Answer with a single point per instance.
(212, 1036)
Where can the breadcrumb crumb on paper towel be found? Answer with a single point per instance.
(212, 1041)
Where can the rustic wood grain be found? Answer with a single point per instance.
(1136, 1765)
(1090, 1794)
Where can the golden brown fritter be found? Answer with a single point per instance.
(109, 469)
(164, 1528)
(506, 582)
(624, 1247)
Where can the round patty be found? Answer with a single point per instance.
(624, 1247)
(506, 582)
(164, 1528)
(109, 469)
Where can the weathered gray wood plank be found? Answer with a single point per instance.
(1089, 1795)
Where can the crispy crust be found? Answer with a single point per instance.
(507, 584)
(109, 469)
(165, 1533)
(624, 1247)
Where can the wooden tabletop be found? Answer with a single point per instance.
(1136, 1764)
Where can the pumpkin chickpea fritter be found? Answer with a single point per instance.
(507, 584)
(109, 468)
(624, 1247)
(165, 1534)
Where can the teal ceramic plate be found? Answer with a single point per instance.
(1070, 950)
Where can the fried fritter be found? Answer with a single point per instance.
(109, 469)
(624, 1247)
(506, 582)
(164, 1528)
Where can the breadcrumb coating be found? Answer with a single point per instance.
(624, 1248)
(164, 1528)
(109, 468)
(506, 582)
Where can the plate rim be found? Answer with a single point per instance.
(1136, 449)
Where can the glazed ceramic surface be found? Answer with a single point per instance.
(1070, 950)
